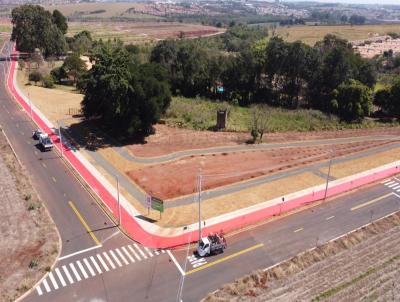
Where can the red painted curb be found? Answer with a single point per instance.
(137, 232)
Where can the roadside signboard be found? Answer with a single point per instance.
(157, 204)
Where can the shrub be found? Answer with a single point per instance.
(58, 74)
(35, 76)
(34, 263)
(48, 81)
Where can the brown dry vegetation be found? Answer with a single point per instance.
(362, 266)
(27, 234)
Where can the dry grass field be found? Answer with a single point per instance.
(311, 34)
(110, 10)
(29, 242)
(363, 266)
(140, 32)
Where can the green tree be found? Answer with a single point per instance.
(354, 100)
(122, 95)
(58, 74)
(74, 66)
(81, 43)
(60, 21)
(35, 76)
(33, 27)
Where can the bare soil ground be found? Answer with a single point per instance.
(29, 241)
(177, 178)
(167, 139)
(362, 266)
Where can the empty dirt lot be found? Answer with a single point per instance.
(364, 266)
(177, 178)
(29, 242)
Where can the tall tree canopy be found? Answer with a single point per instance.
(123, 95)
(33, 27)
(60, 21)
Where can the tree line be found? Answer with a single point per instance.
(273, 72)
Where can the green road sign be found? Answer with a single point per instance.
(157, 204)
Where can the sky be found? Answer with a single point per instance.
(358, 1)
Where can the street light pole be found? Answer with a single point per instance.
(327, 177)
(30, 105)
(119, 205)
(61, 144)
(199, 197)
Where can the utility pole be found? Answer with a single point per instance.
(200, 179)
(329, 174)
(119, 205)
(61, 144)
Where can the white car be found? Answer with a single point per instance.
(36, 134)
(45, 142)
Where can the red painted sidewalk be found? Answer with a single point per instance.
(139, 234)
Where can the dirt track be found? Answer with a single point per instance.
(364, 266)
(178, 178)
(26, 231)
(167, 139)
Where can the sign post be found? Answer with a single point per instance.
(157, 204)
(148, 202)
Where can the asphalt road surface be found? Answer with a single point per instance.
(98, 263)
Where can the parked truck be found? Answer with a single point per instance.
(212, 244)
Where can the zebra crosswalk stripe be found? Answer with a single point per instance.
(53, 280)
(71, 281)
(396, 187)
(109, 260)
(72, 266)
(91, 271)
(115, 258)
(148, 251)
(39, 290)
(82, 269)
(140, 251)
(60, 277)
(127, 254)
(102, 262)
(95, 264)
(392, 185)
(46, 286)
(389, 183)
(122, 256)
(156, 252)
(134, 253)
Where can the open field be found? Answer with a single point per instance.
(100, 10)
(140, 32)
(311, 34)
(29, 242)
(362, 266)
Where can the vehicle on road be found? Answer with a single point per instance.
(37, 133)
(212, 244)
(45, 142)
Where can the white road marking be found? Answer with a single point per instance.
(196, 261)
(398, 190)
(140, 251)
(134, 253)
(89, 267)
(53, 280)
(298, 230)
(386, 181)
(163, 251)
(389, 183)
(102, 262)
(115, 258)
(82, 269)
(46, 286)
(60, 277)
(330, 217)
(39, 290)
(109, 260)
(176, 263)
(156, 252)
(122, 256)
(80, 252)
(396, 187)
(128, 255)
(72, 266)
(148, 251)
(71, 281)
(111, 236)
(95, 264)
(392, 185)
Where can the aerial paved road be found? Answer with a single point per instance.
(98, 263)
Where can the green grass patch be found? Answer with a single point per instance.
(334, 290)
(5, 28)
(201, 114)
